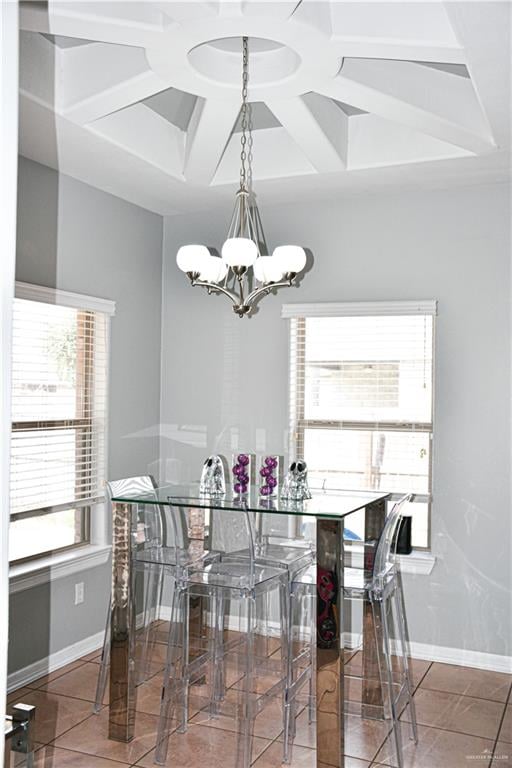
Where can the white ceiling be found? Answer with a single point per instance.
(142, 99)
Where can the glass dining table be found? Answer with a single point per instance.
(330, 509)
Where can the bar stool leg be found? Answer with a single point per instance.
(172, 673)
(185, 655)
(389, 673)
(286, 610)
(401, 632)
(218, 652)
(312, 659)
(244, 744)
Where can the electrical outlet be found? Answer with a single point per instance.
(79, 593)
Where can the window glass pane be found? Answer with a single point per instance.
(368, 368)
(368, 460)
(59, 388)
(43, 468)
(38, 535)
(44, 362)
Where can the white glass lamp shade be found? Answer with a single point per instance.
(291, 258)
(239, 252)
(267, 270)
(213, 270)
(191, 258)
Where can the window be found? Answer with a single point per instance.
(361, 392)
(59, 388)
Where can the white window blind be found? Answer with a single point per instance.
(59, 404)
(361, 392)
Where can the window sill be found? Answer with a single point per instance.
(419, 562)
(47, 569)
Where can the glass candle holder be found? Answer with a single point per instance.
(213, 481)
(242, 473)
(295, 485)
(269, 476)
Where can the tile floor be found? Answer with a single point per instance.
(464, 716)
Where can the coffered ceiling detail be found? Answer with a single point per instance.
(142, 99)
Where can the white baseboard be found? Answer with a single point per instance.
(54, 661)
(60, 658)
(457, 656)
(462, 657)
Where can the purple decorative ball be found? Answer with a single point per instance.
(243, 477)
(237, 469)
(265, 471)
(271, 481)
(271, 462)
(240, 488)
(265, 490)
(243, 459)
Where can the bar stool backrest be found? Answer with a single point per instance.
(386, 548)
(163, 526)
(233, 530)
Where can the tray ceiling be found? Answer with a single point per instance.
(141, 99)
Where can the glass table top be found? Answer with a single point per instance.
(329, 503)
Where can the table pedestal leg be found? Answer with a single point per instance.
(122, 626)
(329, 645)
(375, 518)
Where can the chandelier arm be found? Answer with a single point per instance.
(240, 279)
(266, 289)
(216, 287)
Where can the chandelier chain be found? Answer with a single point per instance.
(244, 113)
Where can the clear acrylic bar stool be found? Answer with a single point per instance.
(278, 545)
(382, 587)
(163, 546)
(233, 580)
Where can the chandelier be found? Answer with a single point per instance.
(242, 273)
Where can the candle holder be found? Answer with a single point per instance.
(242, 473)
(269, 476)
(213, 480)
(295, 485)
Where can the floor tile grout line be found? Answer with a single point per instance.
(89, 754)
(464, 695)
(51, 743)
(501, 723)
(450, 730)
(58, 677)
(431, 728)
(371, 763)
(67, 696)
(386, 737)
(423, 677)
(253, 762)
(85, 754)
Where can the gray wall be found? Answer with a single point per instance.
(76, 238)
(220, 373)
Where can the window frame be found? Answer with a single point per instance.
(93, 540)
(297, 363)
